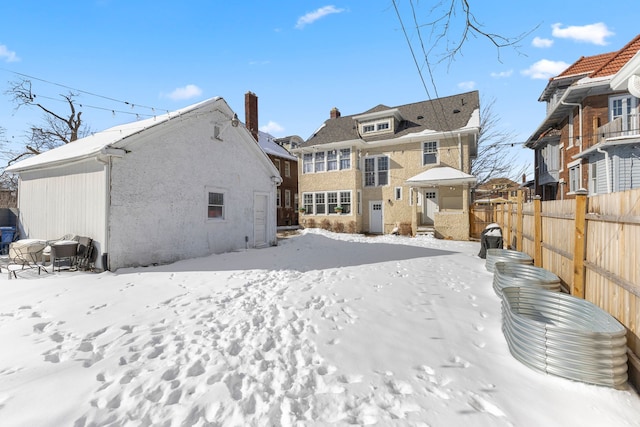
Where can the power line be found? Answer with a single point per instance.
(131, 104)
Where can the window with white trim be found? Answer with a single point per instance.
(278, 202)
(574, 178)
(326, 161)
(307, 163)
(345, 158)
(593, 178)
(276, 162)
(625, 108)
(307, 200)
(570, 129)
(398, 193)
(215, 205)
(345, 201)
(319, 165)
(376, 171)
(287, 169)
(287, 198)
(359, 201)
(332, 201)
(322, 203)
(429, 153)
(378, 126)
(332, 160)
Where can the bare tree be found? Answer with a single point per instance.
(55, 130)
(495, 158)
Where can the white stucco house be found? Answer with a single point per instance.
(180, 185)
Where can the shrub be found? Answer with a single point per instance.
(405, 229)
(325, 224)
(352, 227)
(310, 223)
(338, 227)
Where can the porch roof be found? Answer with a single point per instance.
(441, 175)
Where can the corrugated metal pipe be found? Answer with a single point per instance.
(505, 255)
(507, 274)
(565, 336)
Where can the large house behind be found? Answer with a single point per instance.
(286, 163)
(590, 137)
(287, 192)
(180, 185)
(401, 168)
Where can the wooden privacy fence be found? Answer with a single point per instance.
(479, 217)
(592, 244)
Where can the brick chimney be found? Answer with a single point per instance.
(251, 113)
(335, 113)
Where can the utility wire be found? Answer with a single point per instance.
(132, 105)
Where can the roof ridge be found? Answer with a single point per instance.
(616, 55)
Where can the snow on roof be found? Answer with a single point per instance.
(442, 175)
(269, 146)
(93, 144)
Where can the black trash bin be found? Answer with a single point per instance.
(491, 238)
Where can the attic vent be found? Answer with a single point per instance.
(456, 111)
(420, 117)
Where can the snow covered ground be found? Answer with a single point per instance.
(324, 329)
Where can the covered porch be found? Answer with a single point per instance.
(440, 201)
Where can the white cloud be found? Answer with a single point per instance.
(272, 127)
(187, 92)
(469, 85)
(545, 69)
(8, 55)
(312, 17)
(592, 33)
(502, 74)
(540, 42)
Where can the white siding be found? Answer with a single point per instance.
(626, 161)
(64, 200)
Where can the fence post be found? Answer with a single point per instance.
(507, 237)
(579, 243)
(537, 239)
(519, 222)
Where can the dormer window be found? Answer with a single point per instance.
(381, 121)
(377, 126)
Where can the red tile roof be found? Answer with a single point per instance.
(619, 59)
(586, 64)
(605, 64)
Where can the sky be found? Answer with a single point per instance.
(323, 329)
(129, 60)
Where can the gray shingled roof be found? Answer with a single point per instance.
(440, 115)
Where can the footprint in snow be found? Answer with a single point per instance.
(480, 404)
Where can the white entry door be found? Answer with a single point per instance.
(430, 206)
(375, 217)
(260, 220)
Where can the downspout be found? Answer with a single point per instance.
(460, 151)
(105, 157)
(579, 117)
(606, 164)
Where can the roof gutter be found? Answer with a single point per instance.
(589, 84)
(574, 104)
